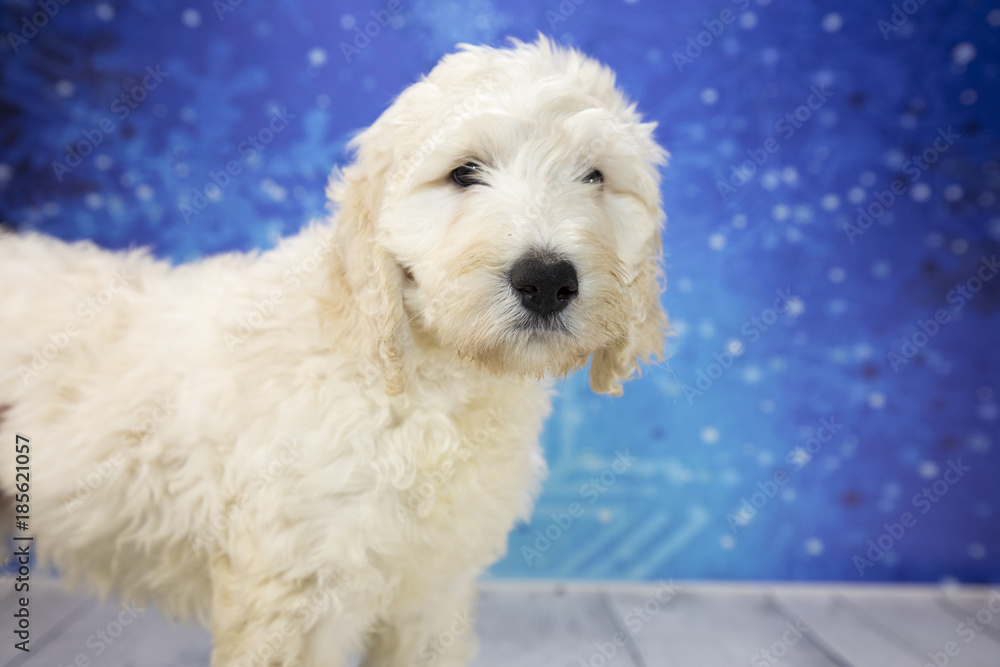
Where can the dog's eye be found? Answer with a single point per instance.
(468, 174)
(594, 177)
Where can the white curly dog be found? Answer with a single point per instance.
(316, 450)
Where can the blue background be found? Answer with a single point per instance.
(739, 399)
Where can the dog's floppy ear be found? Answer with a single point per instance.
(363, 267)
(647, 328)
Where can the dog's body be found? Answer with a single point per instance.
(318, 449)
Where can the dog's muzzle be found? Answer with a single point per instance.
(546, 286)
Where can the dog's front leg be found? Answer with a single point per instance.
(441, 632)
(271, 621)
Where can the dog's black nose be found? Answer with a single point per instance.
(545, 286)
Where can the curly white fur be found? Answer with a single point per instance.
(317, 449)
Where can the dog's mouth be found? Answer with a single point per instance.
(540, 325)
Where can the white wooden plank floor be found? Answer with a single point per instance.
(546, 624)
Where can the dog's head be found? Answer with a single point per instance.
(508, 207)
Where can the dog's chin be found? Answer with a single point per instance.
(535, 355)
(525, 349)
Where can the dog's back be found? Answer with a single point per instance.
(52, 292)
(137, 382)
(70, 313)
